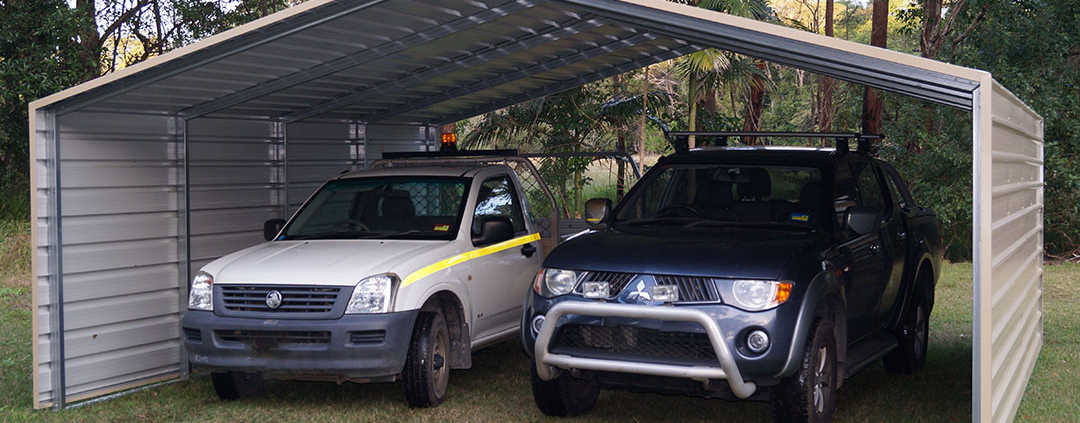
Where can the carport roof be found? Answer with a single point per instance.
(439, 61)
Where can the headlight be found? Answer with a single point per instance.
(372, 295)
(555, 282)
(755, 295)
(201, 294)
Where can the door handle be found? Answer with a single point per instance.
(874, 249)
(528, 250)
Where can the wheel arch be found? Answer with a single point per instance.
(453, 310)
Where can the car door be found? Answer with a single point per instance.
(868, 265)
(499, 279)
(896, 230)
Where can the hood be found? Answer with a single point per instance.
(665, 250)
(318, 262)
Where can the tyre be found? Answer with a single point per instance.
(427, 366)
(564, 396)
(914, 336)
(235, 385)
(809, 395)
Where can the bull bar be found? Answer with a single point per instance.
(728, 369)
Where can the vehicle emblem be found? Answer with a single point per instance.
(273, 299)
(641, 294)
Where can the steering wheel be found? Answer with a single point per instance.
(679, 207)
(354, 224)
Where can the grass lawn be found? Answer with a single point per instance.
(497, 388)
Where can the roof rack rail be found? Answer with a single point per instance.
(681, 139)
(448, 153)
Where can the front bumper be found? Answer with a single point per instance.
(352, 347)
(727, 370)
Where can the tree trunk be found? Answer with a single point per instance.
(89, 40)
(752, 123)
(644, 115)
(872, 103)
(620, 142)
(825, 123)
(691, 99)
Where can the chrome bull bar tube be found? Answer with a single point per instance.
(728, 370)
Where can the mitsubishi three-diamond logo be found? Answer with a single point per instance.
(641, 294)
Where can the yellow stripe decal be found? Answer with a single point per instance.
(464, 257)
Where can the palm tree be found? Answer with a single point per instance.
(707, 69)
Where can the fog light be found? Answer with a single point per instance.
(665, 293)
(757, 341)
(595, 290)
(537, 323)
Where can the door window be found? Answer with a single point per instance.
(497, 198)
(870, 194)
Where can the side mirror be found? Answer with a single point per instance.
(596, 212)
(861, 219)
(494, 230)
(272, 227)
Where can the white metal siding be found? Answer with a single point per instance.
(1009, 302)
(119, 238)
(381, 139)
(236, 174)
(318, 151)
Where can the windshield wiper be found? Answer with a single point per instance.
(334, 235)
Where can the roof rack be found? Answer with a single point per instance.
(448, 153)
(681, 139)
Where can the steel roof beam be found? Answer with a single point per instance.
(890, 76)
(549, 35)
(570, 83)
(357, 58)
(560, 62)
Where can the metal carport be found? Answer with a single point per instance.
(144, 175)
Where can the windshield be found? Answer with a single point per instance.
(384, 208)
(724, 195)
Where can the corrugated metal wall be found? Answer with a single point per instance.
(119, 240)
(318, 151)
(124, 227)
(1008, 295)
(237, 173)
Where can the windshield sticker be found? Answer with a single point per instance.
(442, 227)
(799, 217)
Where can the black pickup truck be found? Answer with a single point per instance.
(755, 273)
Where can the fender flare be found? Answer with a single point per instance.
(824, 290)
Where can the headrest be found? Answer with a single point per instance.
(714, 194)
(810, 195)
(759, 186)
(396, 203)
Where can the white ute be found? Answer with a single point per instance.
(384, 274)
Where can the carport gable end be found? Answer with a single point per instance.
(149, 194)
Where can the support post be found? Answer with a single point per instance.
(56, 266)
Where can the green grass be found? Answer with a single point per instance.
(497, 388)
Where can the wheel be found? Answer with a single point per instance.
(427, 367)
(564, 396)
(914, 336)
(235, 385)
(809, 395)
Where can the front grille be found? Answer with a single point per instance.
(634, 344)
(616, 280)
(692, 289)
(367, 337)
(273, 338)
(294, 299)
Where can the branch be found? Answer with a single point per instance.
(123, 18)
(960, 38)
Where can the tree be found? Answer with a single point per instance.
(32, 66)
(872, 103)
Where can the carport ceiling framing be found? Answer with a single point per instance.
(428, 62)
